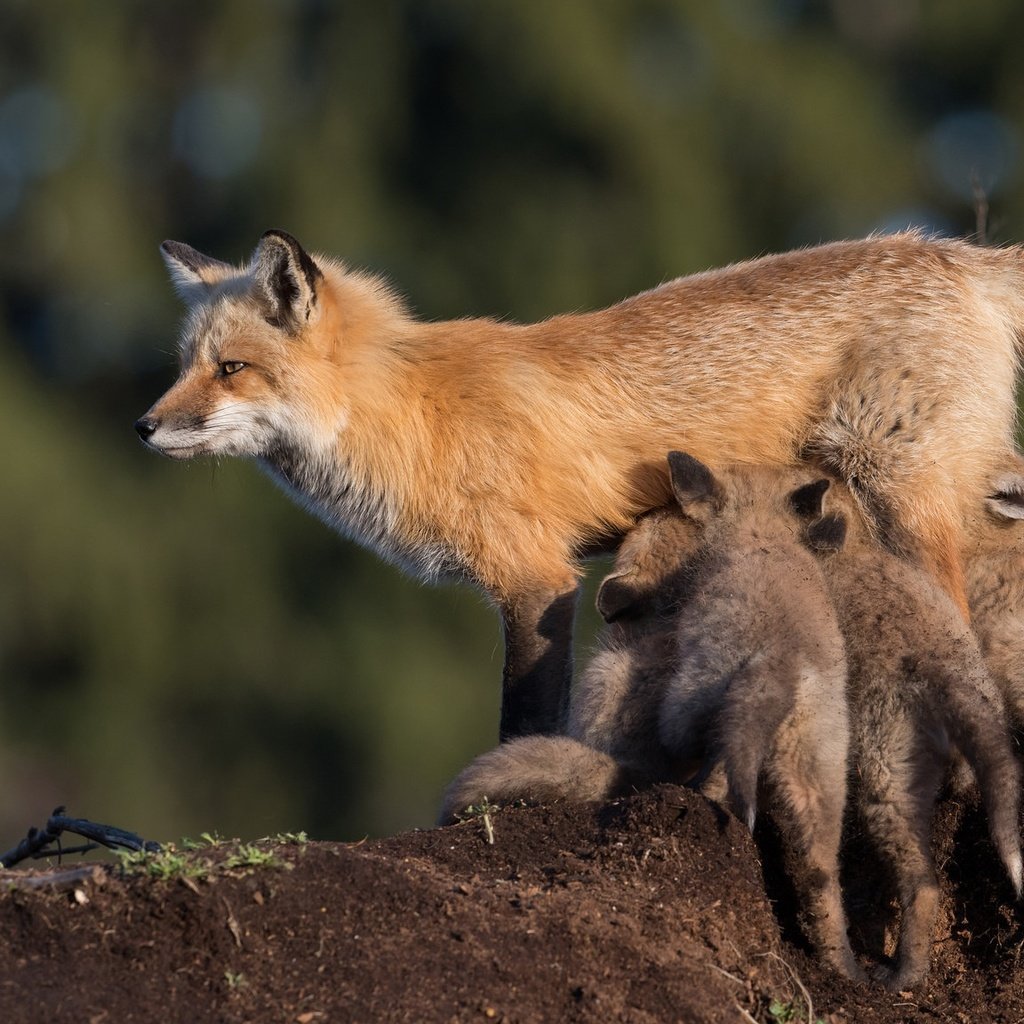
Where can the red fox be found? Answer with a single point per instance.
(502, 454)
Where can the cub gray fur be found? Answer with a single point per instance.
(995, 587)
(760, 688)
(611, 744)
(917, 686)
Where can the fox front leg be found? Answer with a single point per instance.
(538, 629)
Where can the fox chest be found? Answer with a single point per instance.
(367, 515)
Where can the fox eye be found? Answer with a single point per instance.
(226, 369)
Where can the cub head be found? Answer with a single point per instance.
(650, 576)
(1006, 502)
(823, 531)
(245, 339)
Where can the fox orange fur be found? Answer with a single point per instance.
(501, 453)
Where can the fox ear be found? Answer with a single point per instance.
(828, 533)
(286, 279)
(617, 599)
(808, 501)
(693, 484)
(192, 273)
(1007, 501)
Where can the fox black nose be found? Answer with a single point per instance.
(146, 427)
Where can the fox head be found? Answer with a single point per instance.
(752, 505)
(648, 578)
(251, 346)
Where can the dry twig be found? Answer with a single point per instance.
(45, 842)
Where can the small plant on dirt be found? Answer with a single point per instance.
(235, 979)
(205, 840)
(793, 1012)
(482, 812)
(249, 855)
(287, 839)
(166, 864)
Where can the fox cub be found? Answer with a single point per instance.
(918, 685)
(720, 636)
(995, 587)
(915, 684)
(502, 454)
(759, 692)
(611, 744)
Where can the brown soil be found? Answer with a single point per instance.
(651, 909)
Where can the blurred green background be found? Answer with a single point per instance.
(181, 649)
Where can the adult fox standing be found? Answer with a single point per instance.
(501, 454)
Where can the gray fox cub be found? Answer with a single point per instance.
(611, 744)
(995, 587)
(917, 686)
(759, 691)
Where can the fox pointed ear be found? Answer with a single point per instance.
(808, 501)
(693, 484)
(827, 533)
(192, 273)
(287, 280)
(617, 598)
(1007, 500)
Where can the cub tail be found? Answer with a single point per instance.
(537, 769)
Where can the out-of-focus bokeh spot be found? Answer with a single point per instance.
(38, 132)
(972, 150)
(217, 132)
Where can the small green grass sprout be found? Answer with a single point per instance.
(249, 855)
(168, 863)
(481, 811)
(235, 979)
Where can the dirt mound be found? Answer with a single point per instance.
(650, 909)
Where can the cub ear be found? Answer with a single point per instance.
(192, 273)
(1007, 500)
(808, 501)
(693, 484)
(827, 533)
(287, 279)
(617, 598)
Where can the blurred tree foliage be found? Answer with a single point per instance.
(181, 649)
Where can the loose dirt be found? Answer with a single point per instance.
(655, 908)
